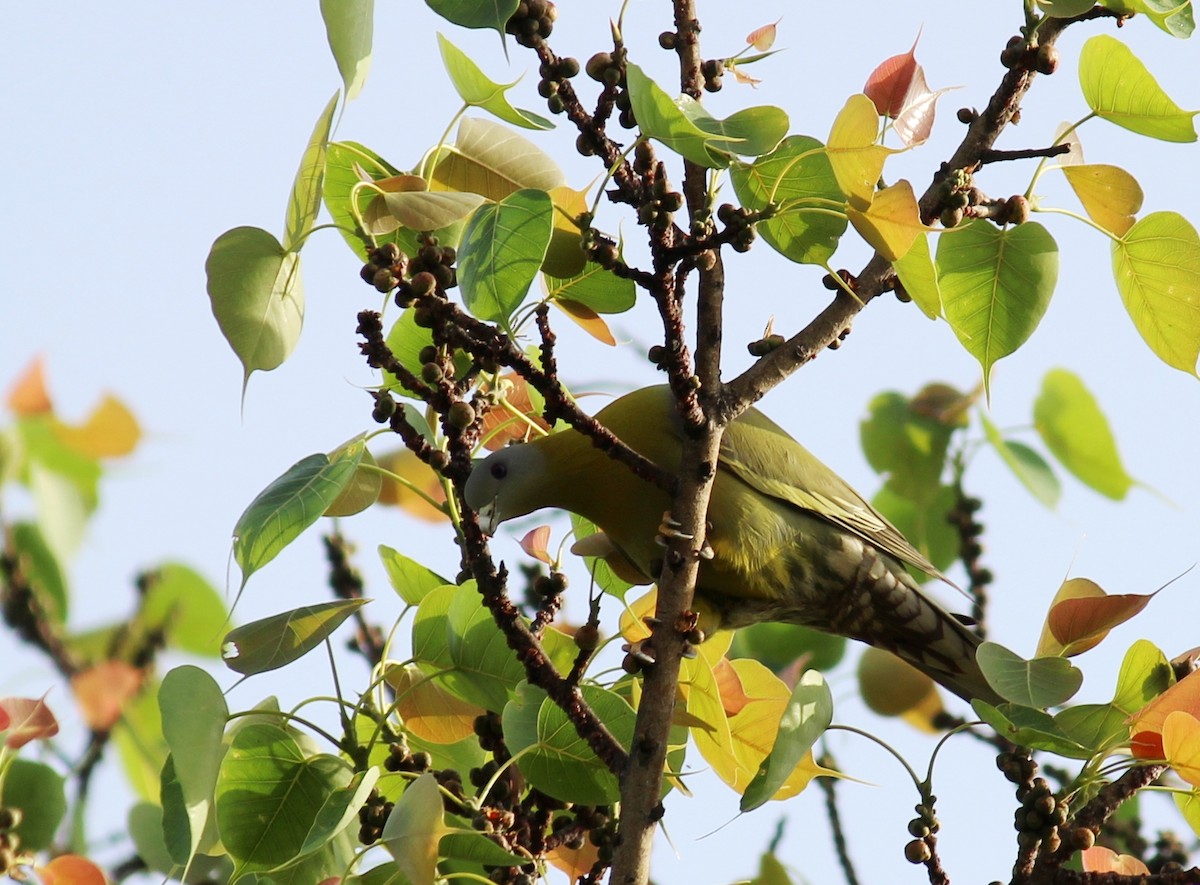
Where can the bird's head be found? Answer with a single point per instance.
(507, 484)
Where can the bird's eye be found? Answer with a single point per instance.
(499, 470)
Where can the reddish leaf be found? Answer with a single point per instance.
(404, 463)
(103, 692)
(575, 862)
(888, 84)
(729, 687)
(1181, 745)
(534, 543)
(914, 122)
(71, 869)
(28, 395)
(763, 38)
(586, 318)
(742, 77)
(1146, 725)
(500, 425)
(1080, 624)
(1099, 859)
(28, 720)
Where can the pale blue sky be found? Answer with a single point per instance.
(139, 132)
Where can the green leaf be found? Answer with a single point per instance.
(1145, 674)
(808, 713)
(38, 791)
(1028, 466)
(288, 506)
(996, 285)
(340, 808)
(1040, 683)
(1176, 17)
(1117, 87)
(414, 828)
(925, 524)
(485, 671)
(346, 164)
(1157, 269)
(501, 251)
(918, 275)
(595, 287)
(193, 723)
(269, 795)
(273, 642)
(256, 296)
(185, 608)
(475, 13)
(41, 568)
(476, 89)
(1064, 8)
(406, 340)
(552, 755)
(491, 160)
(686, 127)
(1032, 728)
(348, 27)
(777, 645)
(477, 848)
(905, 446)
(305, 200)
(411, 580)
(797, 177)
(1099, 727)
(1076, 432)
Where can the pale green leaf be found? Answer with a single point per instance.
(1039, 683)
(491, 160)
(1117, 87)
(996, 284)
(1070, 422)
(256, 296)
(348, 26)
(1157, 269)
(476, 89)
(305, 200)
(918, 275)
(1028, 466)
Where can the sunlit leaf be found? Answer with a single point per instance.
(1070, 423)
(808, 713)
(1081, 616)
(411, 580)
(349, 26)
(1157, 268)
(887, 85)
(595, 288)
(425, 210)
(1030, 727)
(1145, 674)
(418, 475)
(517, 417)
(109, 431)
(892, 222)
(491, 160)
(1110, 195)
(996, 284)
(269, 794)
(305, 200)
(71, 869)
(273, 642)
(256, 296)
(763, 38)
(535, 542)
(1099, 859)
(1117, 87)
(798, 178)
(918, 275)
(501, 252)
(914, 123)
(289, 505)
(1146, 726)
(553, 757)
(476, 89)
(684, 126)
(852, 150)
(1039, 683)
(414, 828)
(428, 710)
(1181, 745)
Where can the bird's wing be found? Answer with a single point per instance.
(760, 453)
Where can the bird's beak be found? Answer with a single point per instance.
(489, 518)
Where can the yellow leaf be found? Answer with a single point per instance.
(28, 395)
(428, 710)
(587, 319)
(564, 258)
(110, 431)
(407, 465)
(856, 159)
(892, 222)
(892, 687)
(1110, 195)
(1181, 745)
